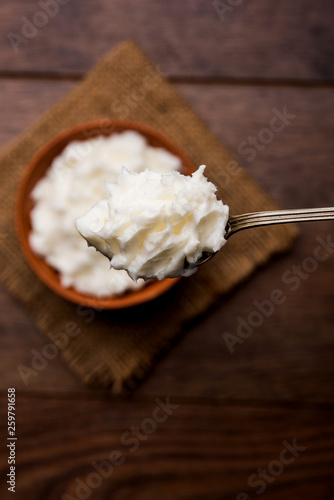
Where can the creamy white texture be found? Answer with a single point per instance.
(153, 223)
(71, 185)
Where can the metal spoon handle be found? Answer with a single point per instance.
(245, 221)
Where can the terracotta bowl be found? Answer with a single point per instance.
(36, 170)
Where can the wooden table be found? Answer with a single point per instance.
(255, 422)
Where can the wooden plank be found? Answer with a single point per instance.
(189, 450)
(288, 357)
(254, 40)
(22, 102)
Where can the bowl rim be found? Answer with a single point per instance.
(106, 127)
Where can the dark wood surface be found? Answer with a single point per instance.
(235, 410)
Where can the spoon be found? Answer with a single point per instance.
(239, 222)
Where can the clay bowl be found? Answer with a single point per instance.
(36, 170)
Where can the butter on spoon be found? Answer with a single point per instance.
(157, 225)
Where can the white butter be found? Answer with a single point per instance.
(152, 223)
(72, 184)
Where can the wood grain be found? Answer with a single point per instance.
(255, 40)
(235, 409)
(200, 452)
(22, 102)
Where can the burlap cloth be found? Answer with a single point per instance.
(117, 348)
